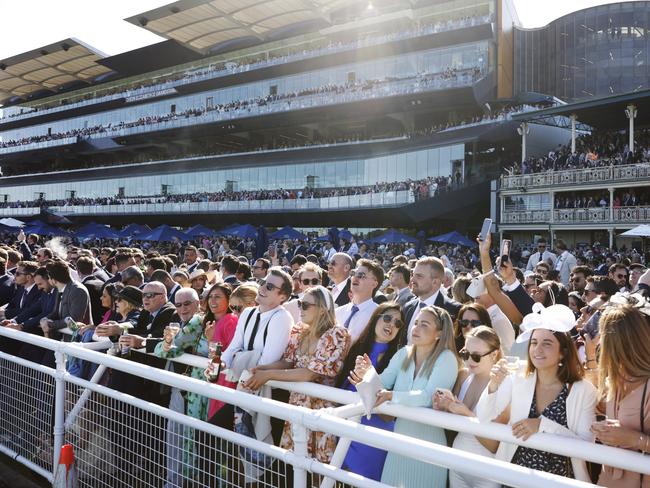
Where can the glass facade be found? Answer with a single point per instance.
(536, 201)
(594, 52)
(459, 57)
(321, 174)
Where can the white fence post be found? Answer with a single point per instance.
(59, 408)
(299, 449)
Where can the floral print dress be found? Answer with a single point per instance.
(326, 361)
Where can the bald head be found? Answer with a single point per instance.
(186, 301)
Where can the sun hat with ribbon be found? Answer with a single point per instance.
(556, 318)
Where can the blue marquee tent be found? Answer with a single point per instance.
(393, 237)
(199, 231)
(454, 238)
(245, 231)
(288, 232)
(163, 233)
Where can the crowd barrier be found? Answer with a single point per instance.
(121, 440)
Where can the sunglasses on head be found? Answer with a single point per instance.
(389, 319)
(237, 308)
(473, 323)
(476, 357)
(305, 305)
(313, 281)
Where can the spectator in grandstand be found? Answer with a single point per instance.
(542, 254)
(27, 293)
(565, 262)
(459, 289)
(261, 268)
(108, 302)
(551, 293)
(426, 283)
(481, 351)
(364, 284)
(379, 342)
(315, 352)
(338, 272)
(576, 303)
(309, 276)
(412, 376)
(624, 381)
(229, 268)
(618, 273)
(578, 279)
(399, 277)
(547, 395)
(469, 317)
(243, 297)
(85, 268)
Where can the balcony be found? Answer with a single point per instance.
(577, 177)
(366, 201)
(577, 216)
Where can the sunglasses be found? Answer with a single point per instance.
(360, 275)
(305, 305)
(389, 319)
(237, 308)
(151, 294)
(313, 281)
(476, 357)
(621, 276)
(269, 286)
(473, 323)
(183, 304)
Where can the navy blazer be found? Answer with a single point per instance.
(450, 305)
(37, 311)
(14, 308)
(7, 288)
(344, 296)
(522, 300)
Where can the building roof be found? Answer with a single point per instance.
(607, 113)
(206, 25)
(49, 68)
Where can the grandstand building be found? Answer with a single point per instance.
(390, 113)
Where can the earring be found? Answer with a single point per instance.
(560, 364)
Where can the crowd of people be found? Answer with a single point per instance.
(245, 106)
(595, 150)
(546, 344)
(254, 62)
(421, 189)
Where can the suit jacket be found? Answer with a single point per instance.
(25, 251)
(171, 295)
(41, 309)
(155, 327)
(94, 287)
(100, 274)
(7, 288)
(403, 297)
(73, 302)
(522, 300)
(232, 281)
(442, 301)
(344, 296)
(14, 307)
(564, 264)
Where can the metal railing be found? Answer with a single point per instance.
(571, 177)
(589, 215)
(121, 439)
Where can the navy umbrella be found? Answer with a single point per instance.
(96, 231)
(38, 227)
(245, 231)
(420, 249)
(333, 235)
(261, 242)
(134, 229)
(163, 233)
(288, 232)
(454, 238)
(199, 231)
(393, 237)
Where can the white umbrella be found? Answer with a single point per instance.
(642, 230)
(11, 222)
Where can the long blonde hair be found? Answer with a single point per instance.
(326, 316)
(624, 349)
(445, 341)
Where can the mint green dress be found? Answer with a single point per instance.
(400, 471)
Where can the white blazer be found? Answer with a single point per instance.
(518, 390)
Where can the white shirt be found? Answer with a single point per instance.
(535, 258)
(503, 327)
(329, 254)
(429, 301)
(292, 307)
(278, 322)
(338, 288)
(359, 320)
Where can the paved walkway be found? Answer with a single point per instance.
(15, 475)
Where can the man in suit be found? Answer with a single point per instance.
(565, 262)
(229, 268)
(73, 300)
(7, 284)
(399, 277)
(166, 279)
(426, 283)
(13, 258)
(191, 258)
(365, 282)
(261, 269)
(85, 270)
(122, 260)
(23, 244)
(27, 293)
(542, 254)
(338, 271)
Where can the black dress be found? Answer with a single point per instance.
(541, 460)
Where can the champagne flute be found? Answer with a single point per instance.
(512, 363)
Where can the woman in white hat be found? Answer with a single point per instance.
(546, 394)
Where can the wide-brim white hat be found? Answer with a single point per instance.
(556, 318)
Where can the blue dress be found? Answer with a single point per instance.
(362, 459)
(400, 471)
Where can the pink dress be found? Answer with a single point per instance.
(627, 412)
(224, 331)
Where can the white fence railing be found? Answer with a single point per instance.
(120, 440)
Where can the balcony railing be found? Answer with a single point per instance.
(573, 177)
(368, 200)
(578, 216)
(63, 141)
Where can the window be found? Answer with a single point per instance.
(70, 194)
(231, 185)
(273, 90)
(173, 108)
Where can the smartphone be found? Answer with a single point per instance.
(506, 245)
(600, 417)
(485, 230)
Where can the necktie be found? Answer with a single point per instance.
(22, 298)
(354, 310)
(422, 305)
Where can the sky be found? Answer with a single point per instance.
(30, 24)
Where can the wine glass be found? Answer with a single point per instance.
(512, 363)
